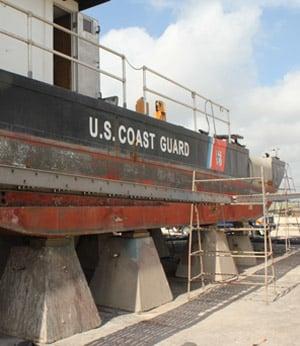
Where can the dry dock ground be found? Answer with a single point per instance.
(222, 315)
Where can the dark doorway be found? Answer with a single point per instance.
(62, 42)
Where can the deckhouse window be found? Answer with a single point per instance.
(62, 42)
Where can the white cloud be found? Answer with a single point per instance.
(210, 48)
(266, 3)
(271, 117)
(206, 49)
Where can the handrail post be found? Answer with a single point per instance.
(213, 117)
(229, 126)
(145, 87)
(266, 230)
(194, 111)
(29, 47)
(124, 82)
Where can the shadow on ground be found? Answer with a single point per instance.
(157, 329)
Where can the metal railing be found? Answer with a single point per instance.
(31, 43)
(193, 105)
(122, 79)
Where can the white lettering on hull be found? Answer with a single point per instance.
(138, 138)
(174, 146)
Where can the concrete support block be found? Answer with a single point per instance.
(182, 268)
(215, 240)
(87, 252)
(44, 296)
(241, 242)
(4, 253)
(6, 243)
(160, 244)
(129, 275)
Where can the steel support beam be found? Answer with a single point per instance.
(270, 197)
(38, 180)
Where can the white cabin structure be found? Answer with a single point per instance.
(32, 20)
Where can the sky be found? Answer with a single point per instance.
(244, 54)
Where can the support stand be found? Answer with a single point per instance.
(218, 267)
(129, 275)
(182, 267)
(44, 296)
(241, 243)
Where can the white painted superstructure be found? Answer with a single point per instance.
(31, 61)
(14, 55)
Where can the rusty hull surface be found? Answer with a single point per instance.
(35, 213)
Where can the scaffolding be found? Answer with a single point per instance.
(199, 252)
(285, 211)
(268, 276)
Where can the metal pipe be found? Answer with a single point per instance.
(168, 79)
(145, 87)
(124, 83)
(265, 231)
(214, 103)
(182, 103)
(229, 126)
(29, 47)
(68, 31)
(183, 87)
(169, 98)
(67, 57)
(195, 111)
(227, 179)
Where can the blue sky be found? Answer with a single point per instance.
(277, 49)
(278, 52)
(119, 14)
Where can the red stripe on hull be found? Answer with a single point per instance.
(67, 221)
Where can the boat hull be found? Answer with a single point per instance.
(47, 128)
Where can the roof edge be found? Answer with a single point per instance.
(85, 4)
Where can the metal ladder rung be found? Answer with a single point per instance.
(193, 278)
(196, 229)
(195, 253)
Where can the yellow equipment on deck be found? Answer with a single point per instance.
(160, 110)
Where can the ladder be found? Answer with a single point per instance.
(284, 208)
(267, 273)
(192, 252)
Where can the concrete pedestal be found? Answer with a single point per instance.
(87, 252)
(242, 242)
(44, 296)
(4, 253)
(160, 244)
(129, 275)
(214, 240)
(182, 268)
